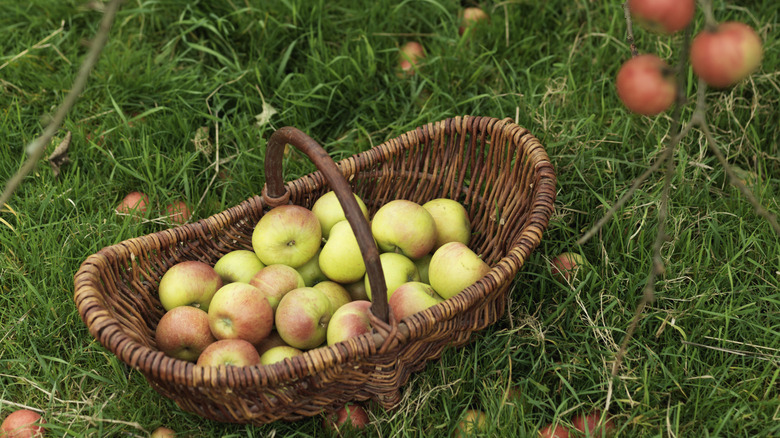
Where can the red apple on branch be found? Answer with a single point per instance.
(726, 55)
(645, 85)
(666, 16)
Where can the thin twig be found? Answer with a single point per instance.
(630, 29)
(39, 45)
(36, 149)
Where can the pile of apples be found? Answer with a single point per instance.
(721, 56)
(304, 284)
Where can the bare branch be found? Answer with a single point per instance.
(630, 29)
(36, 149)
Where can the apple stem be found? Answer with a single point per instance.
(710, 23)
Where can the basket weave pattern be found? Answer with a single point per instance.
(497, 169)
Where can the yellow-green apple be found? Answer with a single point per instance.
(411, 53)
(23, 423)
(183, 332)
(328, 210)
(665, 16)
(335, 292)
(452, 221)
(350, 320)
(592, 425)
(190, 283)
(240, 310)
(404, 227)
(350, 415)
(134, 202)
(311, 272)
(422, 267)
(397, 269)
(163, 432)
(238, 266)
(471, 17)
(288, 235)
(178, 212)
(340, 258)
(726, 55)
(302, 318)
(553, 432)
(565, 266)
(472, 423)
(455, 267)
(276, 280)
(278, 354)
(357, 290)
(271, 341)
(412, 297)
(236, 352)
(646, 85)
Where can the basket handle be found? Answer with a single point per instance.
(275, 193)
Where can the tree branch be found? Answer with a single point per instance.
(36, 149)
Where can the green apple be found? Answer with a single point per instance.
(238, 266)
(422, 267)
(190, 283)
(341, 260)
(455, 267)
(271, 341)
(288, 235)
(335, 292)
(412, 297)
(350, 320)
(240, 310)
(404, 227)
(473, 422)
(236, 352)
(183, 332)
(328, 210)
(357, 290)
(452, 221)
(278, 354)
(311, 272)
(276, 280)
(397, 269)
(163, 432)
(302, 318)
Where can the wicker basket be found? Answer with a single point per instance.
(497, 169)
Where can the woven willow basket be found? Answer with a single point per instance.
(497, 169)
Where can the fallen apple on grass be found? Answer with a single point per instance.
(238, 266)
(646, 85)
(411, 53)
(178, 212)
(163, 432)
(553, 432)
(235, 352)
(23, 423)
(472, 423)
(350, 415)
(471, 17)
(134, 202)
(183, 332)
(302, 318)
(453, 268)
(240, 310)
(190, 283)
(565, 266)
(350, 320)
(591, 424)
(726, 55)
(288, 235)
(665, 16)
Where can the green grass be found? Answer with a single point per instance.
(704, 360)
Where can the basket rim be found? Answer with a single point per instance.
(154, 363)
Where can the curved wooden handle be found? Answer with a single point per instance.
(275, 190)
